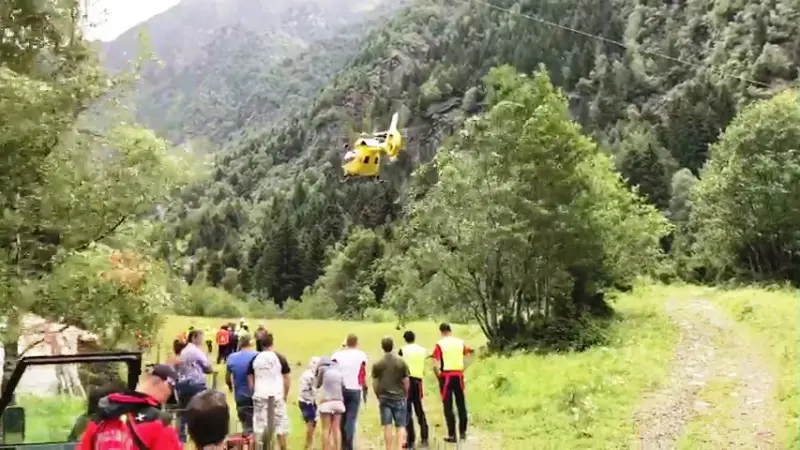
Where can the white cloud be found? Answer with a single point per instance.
(110, 18)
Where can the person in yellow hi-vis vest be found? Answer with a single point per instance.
(449, 368)
(414, 355)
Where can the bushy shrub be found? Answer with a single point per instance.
(200, 299)
(311, 306)
(378, 315)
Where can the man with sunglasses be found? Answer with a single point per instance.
(134, 420)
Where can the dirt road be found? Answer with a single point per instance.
(712, 355)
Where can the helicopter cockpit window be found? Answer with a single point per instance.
(57, 399)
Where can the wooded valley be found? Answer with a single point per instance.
(545, 168)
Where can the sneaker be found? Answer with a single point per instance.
(451, 440)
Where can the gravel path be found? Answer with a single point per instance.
(700, 358)
(475, 441)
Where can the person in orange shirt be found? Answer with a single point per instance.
(223, 344)
(448, 356)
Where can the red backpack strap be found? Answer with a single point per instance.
(137, 441)
(129, 423)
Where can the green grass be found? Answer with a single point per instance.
(714, 426)
(299, 340)
(711, 428)
(772, 318)
(559, 401)
(579, 400)
(564, 401)
(50, 419)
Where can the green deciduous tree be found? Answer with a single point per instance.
(70, 179)
(349, 280)
(745, 213)
(529, 222)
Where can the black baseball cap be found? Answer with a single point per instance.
(166, 373)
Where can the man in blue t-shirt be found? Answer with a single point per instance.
(238, 365)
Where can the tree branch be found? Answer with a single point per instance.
(91, 133)
(102, 235)
(30, 347)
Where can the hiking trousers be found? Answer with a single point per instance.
(451, 386)
(222, 353)
(352, 401)
(414, 404)
(187, 392)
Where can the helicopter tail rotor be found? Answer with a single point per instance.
(394, 140)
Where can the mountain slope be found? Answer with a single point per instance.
(225, 64)
(278, 188)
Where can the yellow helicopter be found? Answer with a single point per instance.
(364, 158)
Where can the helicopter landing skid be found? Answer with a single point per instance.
(354, 179)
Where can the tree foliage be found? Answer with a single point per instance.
(745, 214)
(72, 178)
(519, 201)
(528, 220)
(274, 222)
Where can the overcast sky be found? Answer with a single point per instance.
(114, 17)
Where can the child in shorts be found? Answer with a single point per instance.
(308, 399)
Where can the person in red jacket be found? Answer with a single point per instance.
(223, 344)
(133, 420)
(449, 365)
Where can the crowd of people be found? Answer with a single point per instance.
(331, 392)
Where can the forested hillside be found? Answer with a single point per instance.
(507, 206)
(276, 203)
(546, 170)
(225, 65)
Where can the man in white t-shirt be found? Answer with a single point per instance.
(269, 377)
(353, 365)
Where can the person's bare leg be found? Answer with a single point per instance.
(282, 441)
(387, 437)
(336, 435)
(310, 427)
(325, 422)
(401, 436)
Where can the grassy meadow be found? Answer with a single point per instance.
(562, 401)
(523, 401)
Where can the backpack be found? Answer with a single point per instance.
(223, 337)
(125, 426)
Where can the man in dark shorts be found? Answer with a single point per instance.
(390, 381)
